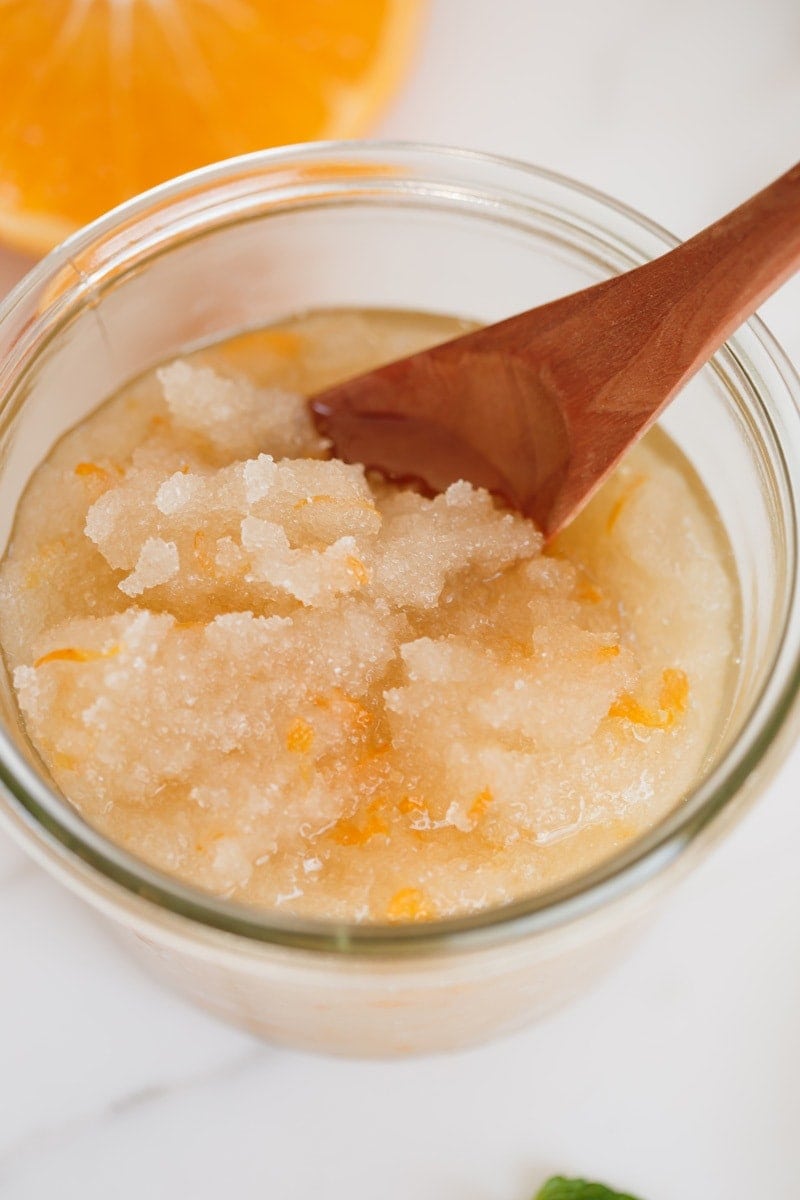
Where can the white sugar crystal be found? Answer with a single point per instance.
(230, 863)
(459, 494)
(286, 425)
(100, 519)
(260, 475)
(157, 562)
(238, 419)
(427, 542)
(311, 576)
(203, 402)
(229, 558)
(176, 492)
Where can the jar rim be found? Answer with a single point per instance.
(201, 196)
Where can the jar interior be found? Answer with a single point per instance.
(426, 250)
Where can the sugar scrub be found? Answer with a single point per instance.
(305, 689)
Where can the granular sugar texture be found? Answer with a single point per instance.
(295, 685)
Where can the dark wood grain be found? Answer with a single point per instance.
(540, 407)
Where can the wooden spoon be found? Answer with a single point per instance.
(540, 408)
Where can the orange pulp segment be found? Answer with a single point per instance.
(105, 98)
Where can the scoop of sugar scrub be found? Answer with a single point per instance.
(288, 681)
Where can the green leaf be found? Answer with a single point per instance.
(559, 1188)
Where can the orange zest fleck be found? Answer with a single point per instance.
(75, 654)
(358, 833)
(674, 694)
(587, 592)
(204, 559)
(605, 652)
(410, 904)
(93, 470)
(321, 499)
(357, 569)
(411, 804)
(374, 755)
(300, 736)
(342, 501)
(673, 701)
(480, 804)
(622, 500)
(361, 716)
(628, 708)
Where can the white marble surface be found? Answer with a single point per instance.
(679, 1077)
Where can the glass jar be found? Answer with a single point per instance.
(243, 244)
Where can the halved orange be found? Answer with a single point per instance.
(104, 98)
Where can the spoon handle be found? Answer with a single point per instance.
(698, 294)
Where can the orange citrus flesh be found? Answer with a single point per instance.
(104, 98)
